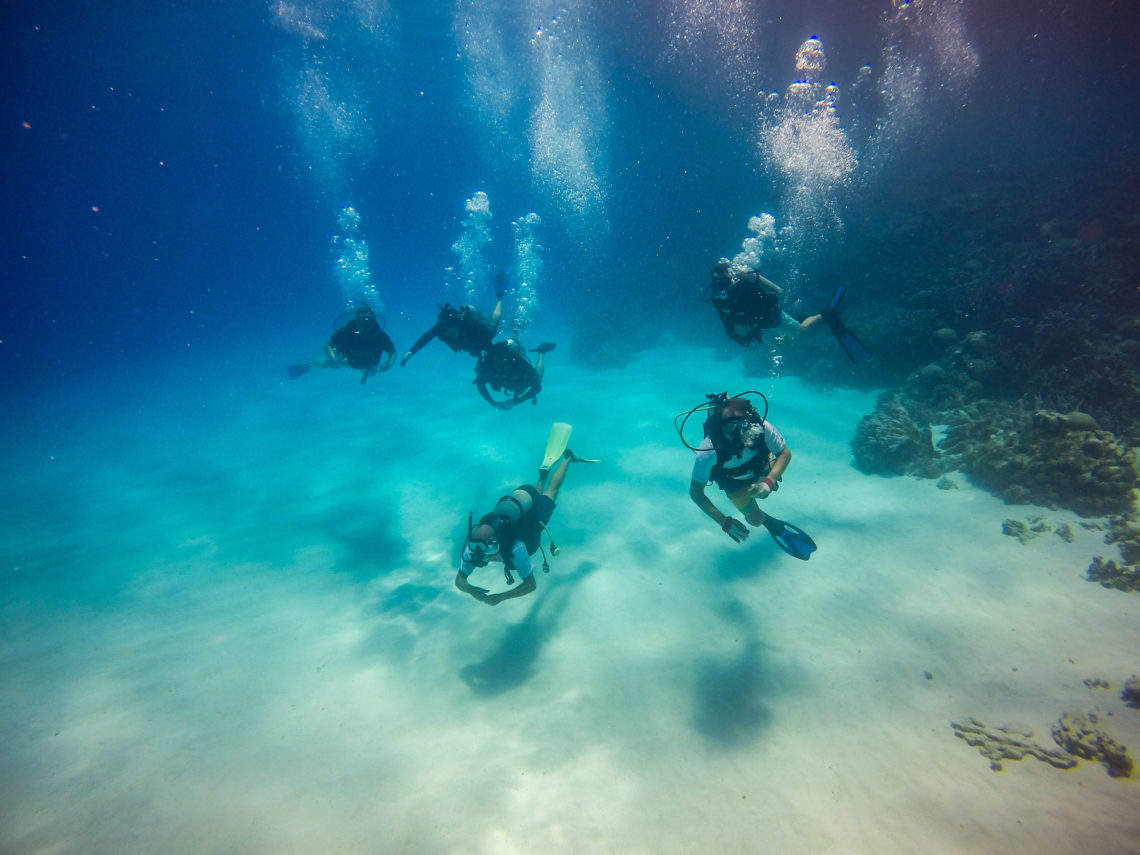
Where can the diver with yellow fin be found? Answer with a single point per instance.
(744, 455)
(512, 532)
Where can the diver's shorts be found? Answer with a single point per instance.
(543, 508)
(741, 498)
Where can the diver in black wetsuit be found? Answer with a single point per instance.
(359, 343)
(747, 303)
(504, 368)
(463, 329)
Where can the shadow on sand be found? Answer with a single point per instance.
(730, 695)
(513, 660)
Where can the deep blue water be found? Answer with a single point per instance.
(161, 193)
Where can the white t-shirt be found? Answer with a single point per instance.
(706, 456)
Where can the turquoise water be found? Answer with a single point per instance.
(229, 619)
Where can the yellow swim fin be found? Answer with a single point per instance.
(555, 445)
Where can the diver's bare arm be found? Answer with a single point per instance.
(780, 464)
(702, 501)
(466, 587)
(731, 526)
(521, 590)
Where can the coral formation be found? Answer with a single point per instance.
(1080, 736)
(1025, 531)
(1122, 577)
(1008, 743)
(890, 441)
(1076, 736)
(1029, 351)
(1045, 458)
(1131, 692)
(1125, 532)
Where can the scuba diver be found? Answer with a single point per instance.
(463, 329)
(512, 532)
(359, 343)
(744, 455)
(504, 367)
(748, 303)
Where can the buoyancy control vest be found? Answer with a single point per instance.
(731, 479)
(515, 518)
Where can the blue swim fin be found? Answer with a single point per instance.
(856, 351)
(790, 538)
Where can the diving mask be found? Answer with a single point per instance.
(478, 552)
(746, 430)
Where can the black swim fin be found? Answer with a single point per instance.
(856, 351)
(790, 538)
(545, 347)
(296, 371)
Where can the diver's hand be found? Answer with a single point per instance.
(763, 489)
(477, 593)
(735, 529)
(493, 599)
(404, 359)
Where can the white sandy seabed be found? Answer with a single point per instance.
(229, 626)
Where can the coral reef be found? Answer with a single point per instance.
(1130, 694)
(1025, 457)
(1080, 736)
(1025, 531)
(1122, 577)
(1021, 335)
(1125, 532)
(1008, 743)
(890, 441)
(1035, 526)
(1076, 736)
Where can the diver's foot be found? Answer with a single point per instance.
(574, 458)
(545, 347)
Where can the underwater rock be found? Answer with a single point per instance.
(1009, 742)
(930, 374)
(945, 335)
(1024, 457)
(1097, 683)
(890, 442)
(978, 342)
(1089, 472)
(1026, 531)
(1122, 577)
(945, 483)
(1079, 735)
(1018, 529)
(1065, 532)
(1131, 692)
(1125, 532)
(1063, 422)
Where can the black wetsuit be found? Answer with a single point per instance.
(505, 368)
(744, 306)
(361, 343)
(463, 329)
